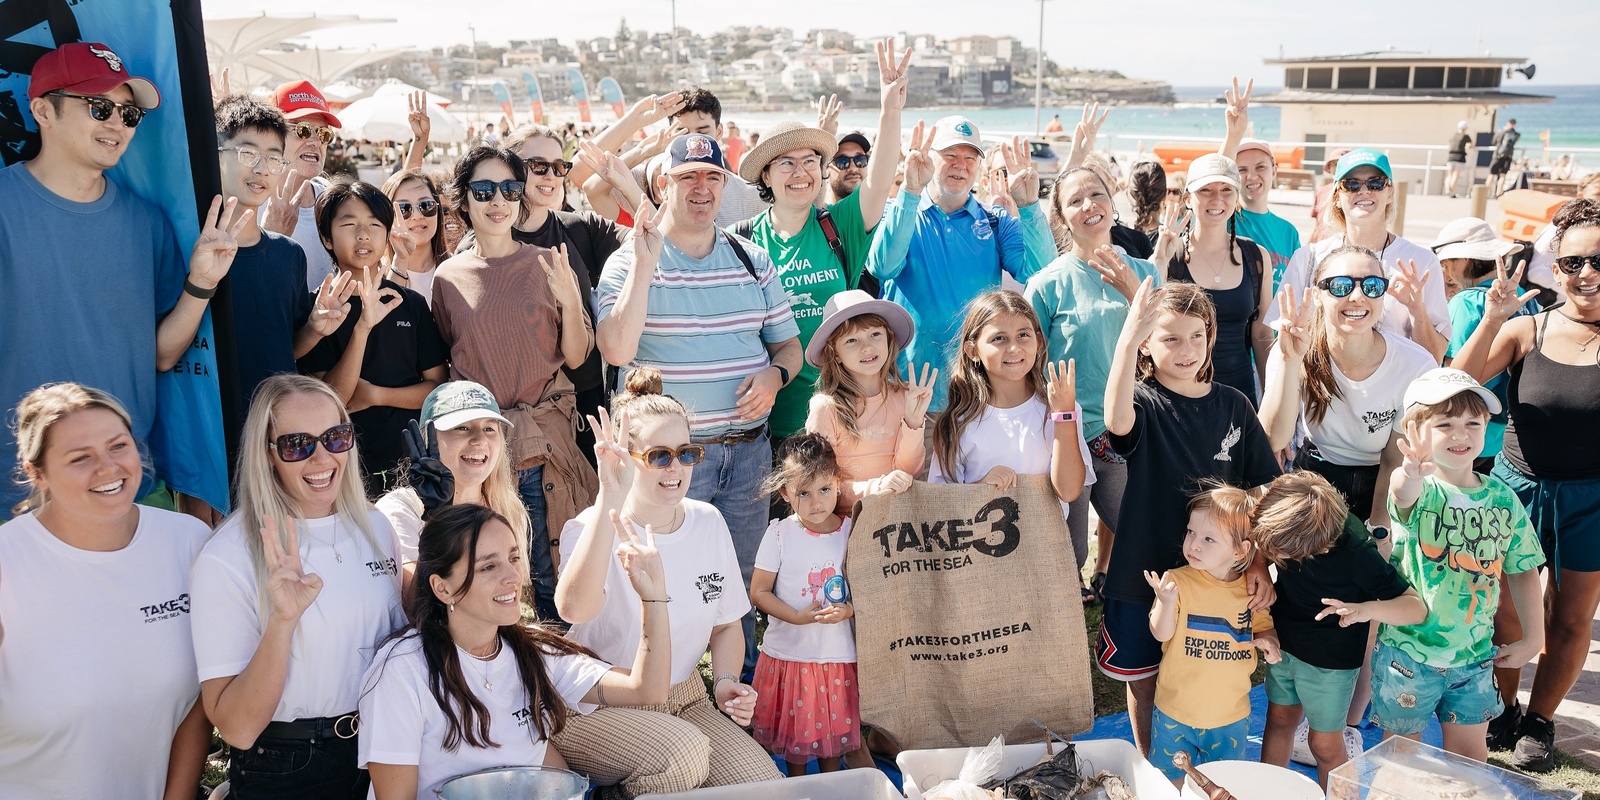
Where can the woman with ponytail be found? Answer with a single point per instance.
(469, 685)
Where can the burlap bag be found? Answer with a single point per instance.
(969, 622)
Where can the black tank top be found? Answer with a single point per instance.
(1236, 315)
(1553, 410)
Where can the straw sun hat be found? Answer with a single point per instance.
(780, 139)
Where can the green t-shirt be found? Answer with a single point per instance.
(811, 274)
(1453, 549)
(1278, 236)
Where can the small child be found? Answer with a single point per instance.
(1332, 583)
(805, 682)
(1202, 618)
(873, 419)
(1455, 533)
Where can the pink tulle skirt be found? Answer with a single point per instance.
(806, 710)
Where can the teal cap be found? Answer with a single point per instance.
(1362, 157)
(455, 403)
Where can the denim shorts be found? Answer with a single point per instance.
(1169, 736)
(1323, 694)
(1405, 693)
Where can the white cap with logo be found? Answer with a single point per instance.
(955, 130)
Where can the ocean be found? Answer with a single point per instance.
(1573, 118)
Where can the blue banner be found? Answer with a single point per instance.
(160, 40)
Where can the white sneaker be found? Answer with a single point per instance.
(1354, 745)
(1302, 745)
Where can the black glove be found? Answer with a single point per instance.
(428, 476)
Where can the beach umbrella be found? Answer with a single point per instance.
(382, 118)
(395, 86)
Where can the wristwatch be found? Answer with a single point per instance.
(1063, 416)
(782, 373)
(1379, 532)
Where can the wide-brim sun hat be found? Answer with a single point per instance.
(1470, 237)
(852, 303)
(781, 138)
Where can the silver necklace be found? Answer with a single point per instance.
(487, 662)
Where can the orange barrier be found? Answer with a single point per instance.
(1177, 155)
(1527, 212)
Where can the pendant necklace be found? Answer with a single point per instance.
(1592, 336)
(487, 661)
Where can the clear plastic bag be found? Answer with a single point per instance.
(978, 768)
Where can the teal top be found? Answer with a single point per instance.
(1278, 236)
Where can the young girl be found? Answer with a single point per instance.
(1175, 427)
(387, 355)
(1005, 419)
(862, 407)
(806, 701)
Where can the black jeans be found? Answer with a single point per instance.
(1357, 484)
(297, 769)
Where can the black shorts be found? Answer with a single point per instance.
(1126, 650)
(1500, 166)
(1457, 158)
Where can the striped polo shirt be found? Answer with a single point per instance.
(707, 326)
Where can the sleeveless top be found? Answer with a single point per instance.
(1237, 310)
(1553, 407)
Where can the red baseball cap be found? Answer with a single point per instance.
(89, 68)
(299, 99)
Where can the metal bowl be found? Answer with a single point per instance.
(515, 783)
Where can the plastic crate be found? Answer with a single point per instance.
(924, 769)
(1401, 769)
(850, 784)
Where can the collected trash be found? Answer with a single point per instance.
(1057, 776)
(1213, 791)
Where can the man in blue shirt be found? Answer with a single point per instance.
(938, 247)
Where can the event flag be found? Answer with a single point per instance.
(535, 97)
(580, 92)
(502, 95)
(611, 92)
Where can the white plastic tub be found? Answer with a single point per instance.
(926, 768)
(850, 784)
(1251, 780)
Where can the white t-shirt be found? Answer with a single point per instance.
(1356, 427)
(1019, 438)
(96, 664)
(319, 264)
(703, 581)
(401, 722)
(358, 606)
(403, 509)
(804, 561)
(1395, 317)
(422, 282)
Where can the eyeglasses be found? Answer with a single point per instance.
(100, 109)
(1573, 265)
(294, 447)
(252, 159)
(483, 191)
(305, 130)
(539, 166)
(1342, 285)
(1377, 183)
(427, 208)
(860, 160)
(661, 457)
(788, 164)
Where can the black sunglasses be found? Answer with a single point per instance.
(306, 130)
(483, 191)
(100, 109)
(661, 457)
(1573, 265)
(539, 166)
(1376, 183)
(1373, 286)
(843, 162)
(427, 208)
(294, 447)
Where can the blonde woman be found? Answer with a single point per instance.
(291, 597)
(96, 660)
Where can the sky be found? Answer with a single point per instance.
(1186, 43)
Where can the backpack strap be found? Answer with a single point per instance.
(863, 280)
(744, 257)
(744, 228)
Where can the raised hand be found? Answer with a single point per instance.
(562, 280)
(1169, 237)
(333, 303)
(640, 560)
(617, 468)
(1085, 133)
(1000, 194)
(219, 88)
(609, 166)
(654, 107)
(656, 144)
(647, 236)
(433, 482)
(1115, 271)
(282, 213)
(218, 243)
(919, 394)
(1238, 109)
(1143, 310)
(1001, 478)
(1504, 298)
(377, 303)
(1416, 451)
(1023, 180)
(1407, 286)
(1293, 323)
(919, 162)
(1349, 613)
(417, 116)
(828, 109)
(1061, 382)
(402, 248)
(1163, 585)
(892, 75)
(289, 588)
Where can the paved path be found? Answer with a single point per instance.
(1578, 718)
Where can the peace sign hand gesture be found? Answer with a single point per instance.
(377, 303)
(647, 236)
(433, 482)
(828, 109)
(617, 467)
(1115, 271)
(289, 588)
(919, 395)
(1238, 110)
(1416, 451)
(1169, 237)
(609, 166)
(1061, 382)
(1294, 317)
(892, 75)
(1000, 194)
(332, 304)
(402, 247)
(214, 250)
(640, 560)
(1504, 298)
(919, 163)
(282, 213)
(1085, 133)
(1024, 178)
(562, 281)
(417, 116)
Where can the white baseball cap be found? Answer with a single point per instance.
(1442, 383)
(951, 131)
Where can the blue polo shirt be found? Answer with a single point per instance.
(934, 263)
